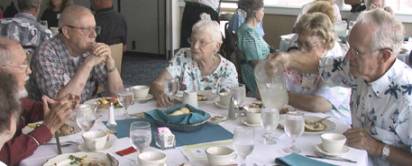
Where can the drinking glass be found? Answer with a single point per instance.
(294, 126)
(270, 120)
(85, 117)
(140, 135)
(243, 142)
(126, 98)
(171, 87)
(240, 93)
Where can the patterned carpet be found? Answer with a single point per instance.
(141, 69)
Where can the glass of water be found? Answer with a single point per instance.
(243, 142)
(294, 126)
(126, 98)
(171, 87)
(85, 117)
(270, 120)
(140, 135)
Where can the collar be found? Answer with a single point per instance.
(104, 10)
(26, 15)
(380, 85)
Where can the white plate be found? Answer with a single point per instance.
(82, 147)
(244, 121)
(217, 104)
(63, 159)
(330, 125)
(319, 149)
(66, 138)
(147, 98)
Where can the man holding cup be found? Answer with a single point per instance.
(72, 62)
(381, 100)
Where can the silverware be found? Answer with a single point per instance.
(59, 148)
(335, 158)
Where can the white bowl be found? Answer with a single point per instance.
(332, 142)
(220, 155)
(151, 158)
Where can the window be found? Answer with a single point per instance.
(400, 6)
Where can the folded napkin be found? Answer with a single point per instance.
(298, 160)
(164, 117)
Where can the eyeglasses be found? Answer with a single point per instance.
(87, 30)
(201, 42)
(358, 54)
(24, 66)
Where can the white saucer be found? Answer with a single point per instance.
(217, 103)
(82, 147)
(147, 98)
(245, 122)
(319, 149)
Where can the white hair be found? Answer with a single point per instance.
(368, 4)
(205, 24)
(388, 31)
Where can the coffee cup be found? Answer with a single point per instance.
(253, 116)
(95, 140)
(220, 155)
(190, 98)
(224, 98)
(140, 91)
(332, 142)
(151, 158)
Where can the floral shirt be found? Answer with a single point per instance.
(187, 71)
(383, 106)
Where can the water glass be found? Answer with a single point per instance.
(171, 87)
(294, 126)
(270, 120)
(243, 142)
(140, 135)
(240, 93)
(85, 117)
(126, 98)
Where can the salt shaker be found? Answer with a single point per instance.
(233, 108)
(111, 124)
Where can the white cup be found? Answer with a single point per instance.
(190, 98)
(140, 91)
(95, 140)
(151, 158)
(253, 116)
(220, 155)
(224, 98)
(332, 142)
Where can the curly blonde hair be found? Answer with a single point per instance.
(324, 7)
(317, 24)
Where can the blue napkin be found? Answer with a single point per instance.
(298, 160)
(162, 117)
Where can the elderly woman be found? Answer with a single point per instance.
(251, 44)
(52, 12)
(9, 109)
(199, 68)
(307, 91)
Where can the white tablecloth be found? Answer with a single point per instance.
(262, 154)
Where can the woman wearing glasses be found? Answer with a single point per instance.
(199, 67)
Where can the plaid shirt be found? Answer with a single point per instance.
(53, 67)
(24, 28)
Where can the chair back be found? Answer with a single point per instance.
(117, 54)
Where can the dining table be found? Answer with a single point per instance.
(263, 154)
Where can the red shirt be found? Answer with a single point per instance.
(23, 146)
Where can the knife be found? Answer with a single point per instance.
(59, 148)
(335, 158)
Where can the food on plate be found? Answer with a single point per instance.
(314, 126)
(67, 130)
(181, 111)
(256, 104)
(34, 125)
(84, 161)
(104, 102)
(201, 97)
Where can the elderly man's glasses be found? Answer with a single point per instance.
(358, 54)
(24, 66)
(87, 30)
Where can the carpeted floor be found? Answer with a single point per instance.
(140, 68)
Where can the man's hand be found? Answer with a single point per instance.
(360, 138)
(56, 112)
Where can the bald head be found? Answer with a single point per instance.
(72, 13)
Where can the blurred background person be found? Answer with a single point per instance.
(53, 10)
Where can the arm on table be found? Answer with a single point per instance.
(310, 103)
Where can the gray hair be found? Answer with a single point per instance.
(368, 4)
(6, 53)
(9, 101)
(72, 13)
(388, 31)
(23, 5)
(207, 25)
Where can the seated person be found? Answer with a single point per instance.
(24, 26)
(335, 9)
(72, 62)
(199, 68)
(251, 44)
(9, 109)
(239, 17)
(307, 91)
(13, 60)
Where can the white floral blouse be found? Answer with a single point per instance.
(383, 106)
(182, 67)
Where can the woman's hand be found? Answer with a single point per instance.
(162, 100)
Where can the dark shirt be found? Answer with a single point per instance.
(114, 27)
(22, 146)
(52, 17)
(10, 11)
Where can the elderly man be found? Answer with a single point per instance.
(72, 62)
(9, 109)
(112, 23)
(24, 27)
(13, 60)
(381, 101)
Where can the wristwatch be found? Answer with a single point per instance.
(386, 150)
